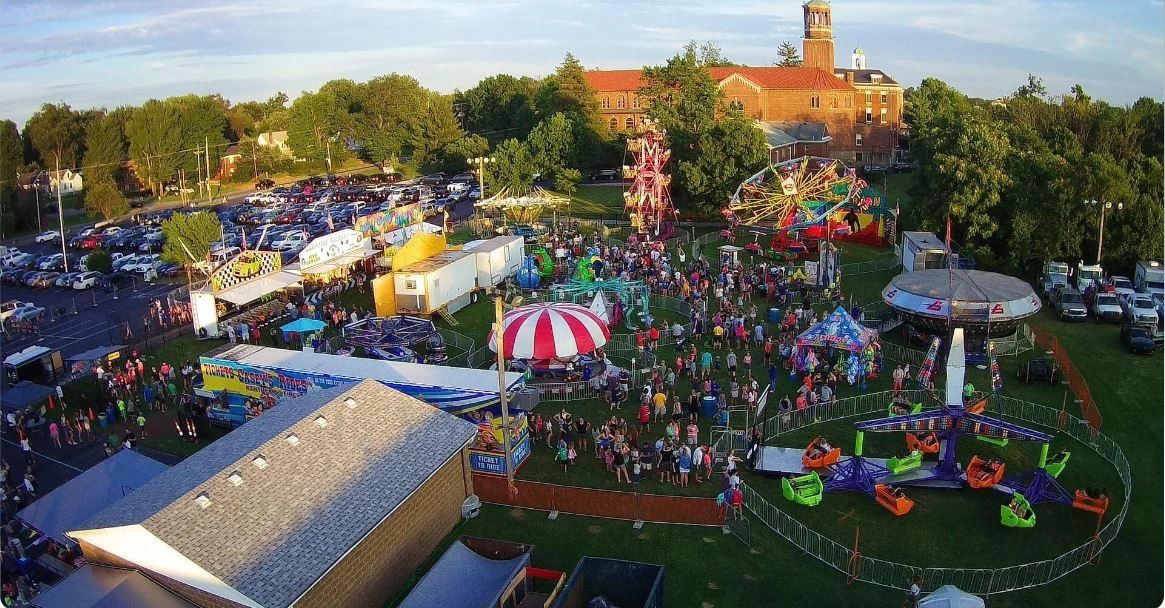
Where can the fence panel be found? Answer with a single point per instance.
(595, 503)
(679, 510)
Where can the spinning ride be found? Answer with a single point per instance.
(553, 330)
(648, 201)
(984, 304)
(390, 338)
(796, 194)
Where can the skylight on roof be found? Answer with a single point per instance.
(293, 439)
(351, 403)
(203, 500)
(236, 478)
(260, 462)
(321, 421)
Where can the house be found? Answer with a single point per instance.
(68, 181)
(274, 139)
(860, 108)
(329, 499)
(789, 140)
(228, 162)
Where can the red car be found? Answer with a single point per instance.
(92, 241)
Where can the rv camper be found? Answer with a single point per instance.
(446, 279)
(497, 259)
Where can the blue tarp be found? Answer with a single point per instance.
(303, 325)
(70, 504)
(838, 330)
(464, 578)
(24, 395)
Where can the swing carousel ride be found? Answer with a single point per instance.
(795, 198)
(647, 200)
(521, 211)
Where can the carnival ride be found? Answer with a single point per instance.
(984, 304)
(940, 429)
(620, 296)
(647, 199)
(794, 200)
(395, 338)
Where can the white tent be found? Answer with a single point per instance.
(950, 596)
(599, 307)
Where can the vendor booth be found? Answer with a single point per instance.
(244, 380)
(24, 396)
(35, 364)
(839, 332)
(104, 356)
(332, 256)
(249, 276)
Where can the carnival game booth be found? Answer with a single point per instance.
(237, 285)
(839, 332)
(242, 380)
(395, 226)
(333, 256)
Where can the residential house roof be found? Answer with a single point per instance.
(782, 133)
(865, 76)
(272, 138)
(764, 77)
(265, 536)
(231, 150)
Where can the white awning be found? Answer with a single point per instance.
(256, 288)
(342, 261)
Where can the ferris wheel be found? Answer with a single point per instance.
(648, 200)
(795, 194)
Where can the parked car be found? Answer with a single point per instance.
(1138, 339)
(19, 310)
(606, 175)
(45, 280)
(86, 280)
(1119, 285)
(1039, 370)
(289, 240)
(1069, 303)
(48, 236)
(265, 184)
(1106, 307)
(1140, 308)
(66, 279)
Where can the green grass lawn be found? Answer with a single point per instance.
(591, 201)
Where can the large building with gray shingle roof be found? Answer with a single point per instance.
(331, 499)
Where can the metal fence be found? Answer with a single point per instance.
(461, 343)
(867, 267)
(979, 581)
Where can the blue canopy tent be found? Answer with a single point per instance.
(838, 330)
(465, 578)
(303, 325)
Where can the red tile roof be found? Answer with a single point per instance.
(766, 77)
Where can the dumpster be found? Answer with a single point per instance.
(621, 583)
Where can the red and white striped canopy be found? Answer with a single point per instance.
(553, 330)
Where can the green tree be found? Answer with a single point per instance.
(500, 107)
(567, 91)
(107, 149)
(202, 121)
(99, 261)
(710, 53)
(551, 145)
(390, 111)
(438, 128)
(789, 55)
(55, 132)
(154, 141)
(314, 122)
(566, 181)
(454, 156)
(104, 198)
(188, 237)
(682, 97)
(11, 154)
(1033, 88)
(512, 170)
(726, 155)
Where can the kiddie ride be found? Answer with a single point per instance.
(823, 469)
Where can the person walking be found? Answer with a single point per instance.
(55, 434)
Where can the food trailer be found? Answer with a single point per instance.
(447, 279)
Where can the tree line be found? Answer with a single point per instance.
(1014, 175)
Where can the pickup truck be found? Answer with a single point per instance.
(20, 311)
(1069, 304)
(1106, 307)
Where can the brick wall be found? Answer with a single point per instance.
(376, 568)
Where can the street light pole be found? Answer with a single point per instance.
(60, 215)
(1104, 207)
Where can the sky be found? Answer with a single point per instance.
(105, 53)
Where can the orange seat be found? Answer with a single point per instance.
(975, 473)
(927, 444)
(1086, 503)
(977, 407)
(895, 504)
(823, 460)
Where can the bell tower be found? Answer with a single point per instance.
(818, 42)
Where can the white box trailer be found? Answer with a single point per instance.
(1149, 277)
(923, 250)
(497, 259)
(448, 278)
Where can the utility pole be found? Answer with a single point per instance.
(1104, 207)
(60, 215)
(502, 397)
(36, 190)
(209, 199)
(254, 156)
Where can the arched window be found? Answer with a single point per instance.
(621, 102)
(635, 102)
(833, 102)
(815, 102)
(630, 123)
(606, 103)
(736, 104)
(613, 123)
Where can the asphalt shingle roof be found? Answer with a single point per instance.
(783, 133)
(864, 76)
(275, 534)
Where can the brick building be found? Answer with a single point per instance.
(853, 114)
(331, 499)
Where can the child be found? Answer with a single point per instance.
(693, 433)
(570, 454)
(609, 459)
(644, 417)
(563, 455)
(142, 423)
(636, 466)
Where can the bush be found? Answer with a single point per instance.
(99, 261)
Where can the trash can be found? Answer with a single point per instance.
(101, 420)
(774, 315)
(708, 407)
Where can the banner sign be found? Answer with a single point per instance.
(330, 247)
(383, 221)
(487, 456)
